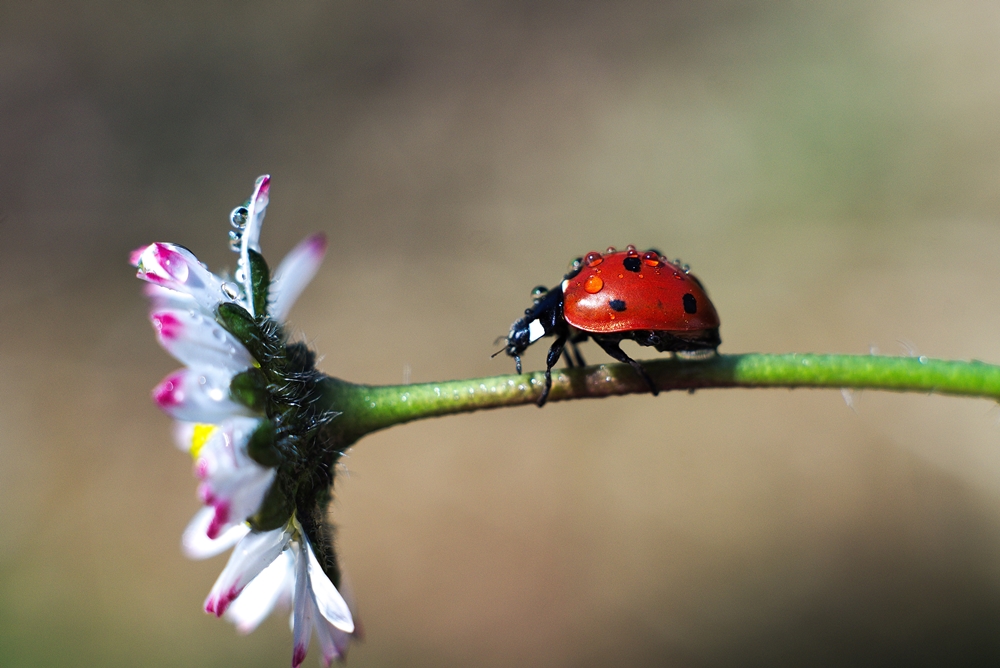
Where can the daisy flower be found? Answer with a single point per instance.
(246, 409)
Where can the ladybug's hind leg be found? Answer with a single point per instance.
(613, 348)
(573, 341)
(555, 352)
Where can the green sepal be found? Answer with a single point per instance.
(275, 510)
(250, 389)
(241, 324)
(262, 446)
(260, 282)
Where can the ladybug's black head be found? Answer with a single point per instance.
(540, 320)
(518, 340)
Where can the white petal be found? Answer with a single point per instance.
(250, 239)
(263, 593)
(255, 218)
(198, 396)
(176, 268)
(294, 274)
(163, 298)
(199, 341)
(332, 641)
(196, 543)
(252, 555)
(302, 613)
(232, 484)
(329, 602)
(235, 498)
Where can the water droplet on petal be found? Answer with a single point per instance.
(238, 217)
(230, 290)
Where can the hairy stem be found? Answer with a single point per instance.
(368, 408)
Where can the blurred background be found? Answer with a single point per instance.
(830, 170)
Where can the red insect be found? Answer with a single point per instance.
(613, 296)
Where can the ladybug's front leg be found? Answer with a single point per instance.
(555, 352)
(613, 348)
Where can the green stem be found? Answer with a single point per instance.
(368, 408)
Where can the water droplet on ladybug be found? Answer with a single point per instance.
(686, 268)
(238, 217)
(631, 252)
(651, 259)
(576, 264)
(539, 291)
(593, 258)
(612, 249)
(678, 275)
(593, 285)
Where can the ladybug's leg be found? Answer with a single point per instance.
(576, 350)
(614, 349)
(572, 355)
(555, 352)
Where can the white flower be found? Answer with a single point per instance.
(216, 424)
(184, 296)
(276, 566)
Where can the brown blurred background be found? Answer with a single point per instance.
(831, 172)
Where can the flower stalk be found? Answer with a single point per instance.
(368, 408)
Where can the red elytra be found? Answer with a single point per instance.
(623, 291)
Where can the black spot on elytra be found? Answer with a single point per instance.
(632, 264)
(617, 305)
(690, 304)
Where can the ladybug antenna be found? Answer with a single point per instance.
(498, 352)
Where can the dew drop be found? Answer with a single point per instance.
(230, 290)
(922, 359)
(238, 217)
(612, 249)
(593, 258)
(593, 284)
(651, 259)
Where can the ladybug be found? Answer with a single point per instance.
(613, 296)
